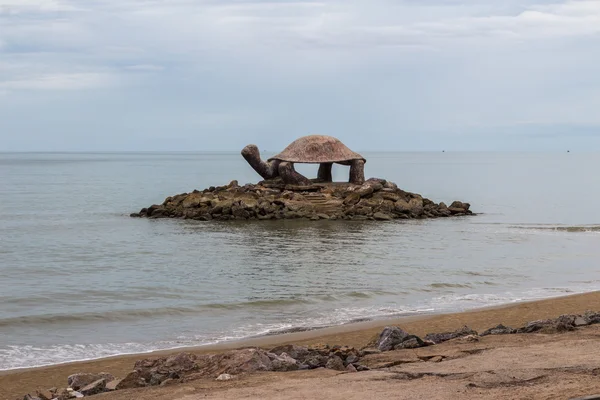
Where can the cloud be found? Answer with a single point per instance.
(388, 67)
(65, 81)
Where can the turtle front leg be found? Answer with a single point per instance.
(357, 172)
(324, 173)
(289, 175)
(268, 170)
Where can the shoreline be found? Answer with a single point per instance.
(302, 334)
(16, 382)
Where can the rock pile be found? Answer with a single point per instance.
(184, 367)
(376, 199)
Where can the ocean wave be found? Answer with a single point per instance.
(14, 357)
(560, 228)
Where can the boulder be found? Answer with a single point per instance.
(283, 362)
(133, 379)
(592, 317)
(380, 216)
(315, 361)
(376, 199)
(561, 324)
(45, 394)
(112, 385)
(335, 363)
(390, 337)
(410, 342)
(351, 368)
(78, 381)
(499, 330)
(94, 388)
(224, 377)
(442, 337)
(233, 362)
(297, 352)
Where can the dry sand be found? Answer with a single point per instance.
(529, 366)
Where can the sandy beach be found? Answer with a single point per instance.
(572, 351)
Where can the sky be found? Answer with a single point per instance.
(210, 75)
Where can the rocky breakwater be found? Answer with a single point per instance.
(376, 199)
(186, 367)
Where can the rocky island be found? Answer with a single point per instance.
(286, 194)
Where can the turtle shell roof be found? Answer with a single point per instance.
(317, 149)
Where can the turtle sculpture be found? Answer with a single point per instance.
(312, 149)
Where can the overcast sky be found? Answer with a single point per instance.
(378, 74)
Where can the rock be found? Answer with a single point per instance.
(133, 380)
(460, 205)
(283, 362)
(369, 350)
(365, 190)
(351, 368)
(571, 320)
(297, 352)
(46, 394)
(410, 342)
(224, 377)
(78, 381)
(561, 324)
(361, 368)
(499, 330)
(390, 185)
(30, 397)
(376, 199)
(352, 199)
(402, 207)
(469, 338)
(233, 362)
(379, 216)
(94, 387)
(592, 317)
(351, 359)
(76, 394)
(153, 372)
(436, 359)
(335, 363)
(112, 385)
(315, 361)
(390, 337)
(442, 337)
(416, 206)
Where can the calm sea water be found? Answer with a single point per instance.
(79, 279)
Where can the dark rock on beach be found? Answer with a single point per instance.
(79, 381)
(442, 337)
(498, 330)
(376, 199)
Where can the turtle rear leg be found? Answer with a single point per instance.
(268, 170)
(357, 172)
(289, 175)
(324, 173)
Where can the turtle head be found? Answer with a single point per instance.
(250, 151)
(268, 170)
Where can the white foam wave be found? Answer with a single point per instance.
(15, 357)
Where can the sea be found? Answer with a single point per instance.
(80, 279)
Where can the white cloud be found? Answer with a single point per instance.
(390, 65)
(72, 81)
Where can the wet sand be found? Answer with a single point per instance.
(14, 384)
